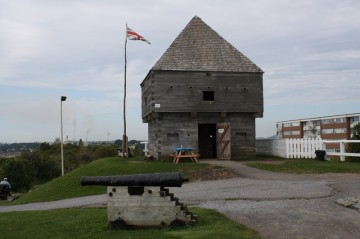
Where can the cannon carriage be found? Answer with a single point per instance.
(143, 200)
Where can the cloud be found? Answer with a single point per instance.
(308, 49)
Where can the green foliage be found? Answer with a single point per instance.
(45, 147)
(354, 147)
(20, 172)
(47, 169)
(2, 163)
(309, 166)
(92, 223)
(85, 155)
(106, 151)
(81, 143)
(45, 166)
(118, 142)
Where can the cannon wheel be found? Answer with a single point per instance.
(3, 193)
(177, 223)
(119, 224)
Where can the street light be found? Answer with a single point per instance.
(63, 98)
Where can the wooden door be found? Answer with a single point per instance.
(223, 142)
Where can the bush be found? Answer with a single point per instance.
(47, 169)
(21, 174)
(106, 151)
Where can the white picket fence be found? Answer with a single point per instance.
(300, 148)
(289, 148)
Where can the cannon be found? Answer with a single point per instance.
(137, 180)
(141, 200)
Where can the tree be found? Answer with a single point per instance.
(118, 142)
(81, 143)
(85, 155)
(106, 151)
(45, 146)
(21, 174)
(355, 147)
(47, 169)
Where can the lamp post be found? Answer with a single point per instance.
(63, 98)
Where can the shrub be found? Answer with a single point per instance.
(21, 174)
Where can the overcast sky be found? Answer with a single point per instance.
(309, 50)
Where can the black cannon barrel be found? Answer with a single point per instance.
(137, 180)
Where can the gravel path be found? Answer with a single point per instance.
(292, 205)
(275, 204)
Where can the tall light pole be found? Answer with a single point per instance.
(63, 98)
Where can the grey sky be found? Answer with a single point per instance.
(309, 50)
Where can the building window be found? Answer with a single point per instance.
(354, 119)
(295, 132)
(340, 130)
(328, 131)
(292, 124)
(208, 95)
(327, 121)
(241, 134)
(334, 120)
(340, 120)
(173, 138)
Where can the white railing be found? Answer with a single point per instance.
(301, 148)
(146, 150)
(342, 152)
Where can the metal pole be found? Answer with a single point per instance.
(124, 144)
(63, 98)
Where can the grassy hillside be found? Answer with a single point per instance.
(69, 186)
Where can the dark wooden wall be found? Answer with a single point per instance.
(173, 107)
(169, 130)
(183, 92)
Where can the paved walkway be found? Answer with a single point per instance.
(275, 204)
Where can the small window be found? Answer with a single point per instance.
(208, 95)
(173, 138)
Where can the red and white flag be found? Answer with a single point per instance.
(131, 35)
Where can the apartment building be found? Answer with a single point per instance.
(334, 127)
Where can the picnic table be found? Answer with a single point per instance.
(184, 153)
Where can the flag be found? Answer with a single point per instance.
(131, 35)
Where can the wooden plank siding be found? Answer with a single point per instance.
(183, 92)
(169, 130)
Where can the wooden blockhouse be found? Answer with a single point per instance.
(204, 94)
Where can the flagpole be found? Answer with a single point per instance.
(124, 144)
(132, 36)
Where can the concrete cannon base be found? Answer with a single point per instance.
(145, 207)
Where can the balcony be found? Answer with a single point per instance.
(309, 127)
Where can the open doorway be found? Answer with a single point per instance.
(207, 140)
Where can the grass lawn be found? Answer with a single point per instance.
(69, 186)
(309, 166)
(92, 223)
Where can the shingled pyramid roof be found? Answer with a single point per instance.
(199, 48)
